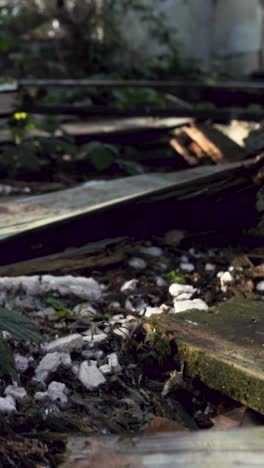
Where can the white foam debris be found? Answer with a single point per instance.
(181, 291)
(7, 405)
(50, 363)
(56, 392)
(66, 344)
(18, 393)
(187, 266)
(260, 287)
(149, 311)
(81, 287)
(209, 267)
(137, 263)
(225, 280)
(182, 306)
(129, 285)
(151, 251)
(90, 376)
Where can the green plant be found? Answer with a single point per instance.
(21, 328)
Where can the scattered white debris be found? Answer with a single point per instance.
(105, 369)
(135, 303)
(91, 353)
(184, 259)
(56, 392)
(18, 393)
(209, 267)
(84, 288)
(66, 344)
(225, 280)
(113, 362)
(187, 266)
(151, 251)
(128, 326)
(260, 287)
(149, 311)
(115, 305)
(50, 363)
(160, 282)
(91, 338)
(137, 263)
(182, 306)
(40, 396)
(90, 376)
(21, 362)
(181, 291)
(174, 237)
(129, 285)
(7, 405)
(116, 319)
(85, 310)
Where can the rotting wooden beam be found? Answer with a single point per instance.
(223, 347)
(201, 449)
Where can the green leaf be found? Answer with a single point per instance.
(7, 363)
(18, 325)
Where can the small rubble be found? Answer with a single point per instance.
(57, 392)
(7, 405)
(18, 393)
(50, 363)
(260, 287)
(90, 376)
(226, 278)
(129, 285)
(66, 344)
(183, 306)
(137, 263)
(152, 251)
(181, 291)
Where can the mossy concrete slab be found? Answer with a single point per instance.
(223, 347)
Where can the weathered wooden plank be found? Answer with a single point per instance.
(30, 213)
(223, 347)
(201, 449)
(95, 255)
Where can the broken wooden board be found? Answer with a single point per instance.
(223, 347)
(201, 449)
(29, 213)
(101, 254)
(104, 129)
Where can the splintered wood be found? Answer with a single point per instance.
(199, 143)
(223, 347)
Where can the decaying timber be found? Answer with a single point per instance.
(223, 347)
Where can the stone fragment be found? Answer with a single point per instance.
(7, 406)
(21, 362)
(177, 290)
(187, 266)
(56, 392)
(149, 311)
(50, 363)
(137, 263)
(182, 306)
(113, 362)
(90, 376)
(151, 251)
(66, 344)
(260, 287)
(129, 285)
(18, 393)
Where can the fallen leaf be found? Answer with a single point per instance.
(160, 424)
(229, 420)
